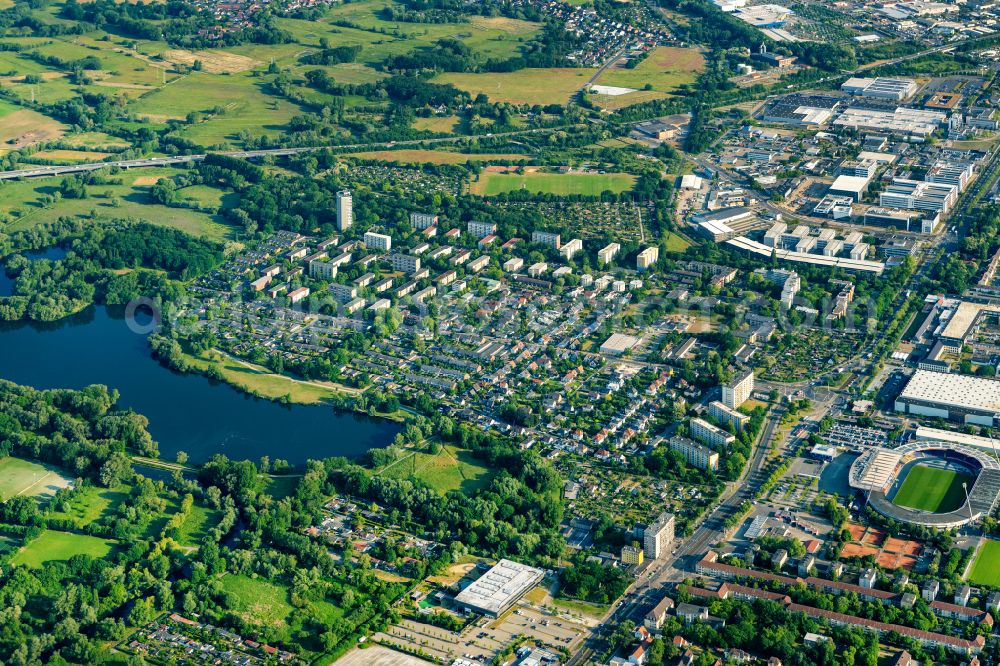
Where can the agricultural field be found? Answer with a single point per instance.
(588, 184)
(442, 124)
(986, 567)
(449, 469)
(24, 127)
(56, 546)
(932, 489)
(528, 86)
(436, 156)
(27, 203)
(23, 477)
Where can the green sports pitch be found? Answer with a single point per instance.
(986, 566)
(23, 477)
(932, 489)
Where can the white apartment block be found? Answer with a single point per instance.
(376, 241)
(423, 220)
(570, 249)
(709, 434)
(738, 390)
(608, 252)
(647, 258)
(658, 536)
(481, 229)
(322, 270)
(695, 454)
(345, 210)
(546, 238)
(404, 263)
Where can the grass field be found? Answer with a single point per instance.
(986, 568)
(256, 600)
(89, 504)
(23, 202)
(23, 477)
(450, 469)
(436, 156)
(676, 243)
(490, 184)
(663, 71)
(528, 86)
(932, 489)
(197, 525)
(52, 546)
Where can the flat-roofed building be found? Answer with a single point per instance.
(738, 390)
(718, 411)
(950, 174)
(345, 210)
(546, 238)
(377, 241)
(853, 187)
(647, 258)
(919, 195)
(536, 270)
(694, 453)
(658, 536)
(619, 343)
(404, 263)
(834, 206)
(961, 398)
(343, 293)
(479, 263)
(499, 588)
(889, 217)
(512, 265)
(481, 229)
(423, 220)
(859, 168)
(710, 434)
(914, 124)
(322, 270)
(608, 252)
(731, 216)
(571, 249)
(895, 90)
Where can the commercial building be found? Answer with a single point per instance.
(345, 210)
(888, 217)
(731, 216)
(961, 398)
(694, 453)
(853, 187)
(423, 220)
(913, 124)
(710, 434)
(376, 241)
(895, 90)
(619, 343)
(404, 263)
(647, 258)
(546, 238)
(738, 390)
(499, 588)
(834, 207)
(947, 173)
(919, 195)
(608, 252)
(570, 249)
(860, 168)
(481, 229)
(720, 412)
(657, 537)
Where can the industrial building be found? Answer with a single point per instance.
(961, 398)
(895, 90)
(619, 343)
(853, 187)
(913, 124)
(499, 588)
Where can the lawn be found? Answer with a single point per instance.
(932, 489)
(23, 477)
(590, 184)
(663, 70)
(52, 546)
(436, 156)
(450, 469)
(90, 503)
(197, 525)
(527, 86)
(255, 600)
(676, 243)
(986, 568)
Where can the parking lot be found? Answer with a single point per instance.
(483, 639)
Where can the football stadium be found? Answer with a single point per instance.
(937, 484)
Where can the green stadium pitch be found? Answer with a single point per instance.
(932, 489)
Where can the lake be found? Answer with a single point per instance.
(190, 413)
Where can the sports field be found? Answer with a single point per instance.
(52, 545)
(589, 184)
(986, 567)
(932, 489)
(23, 477)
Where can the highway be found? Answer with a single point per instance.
(252, 154)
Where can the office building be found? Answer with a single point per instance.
(849, 186)
(608, 252)
(695, 454)
(919, 195)
(738, 390)
(946, 173)
(345, 210)
(656, 538)
(712, 435)
(404, 263)
(647, 258)
(859, 168)
(376, 241)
